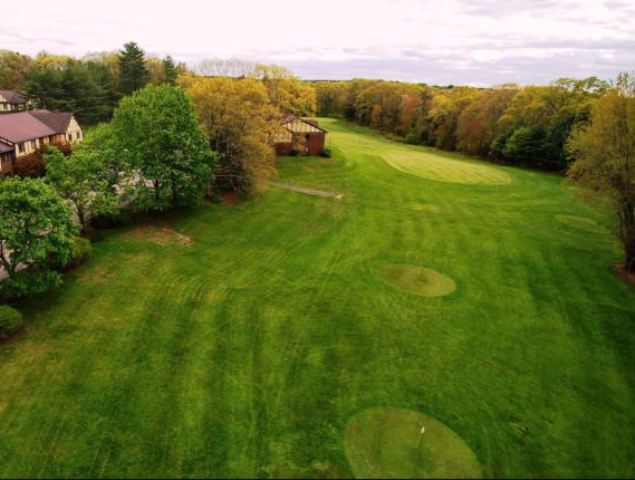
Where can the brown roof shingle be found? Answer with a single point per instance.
(23, 126)
(13, 97)
(58, 121)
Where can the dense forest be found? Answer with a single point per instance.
(526, 126)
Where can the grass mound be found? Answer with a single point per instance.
(581, 223)
(441, 168)
(387, 443)
(417, 280)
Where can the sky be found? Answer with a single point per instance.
(480, 42)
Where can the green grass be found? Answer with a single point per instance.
(417, 280)
(247, 351)
(398, 443)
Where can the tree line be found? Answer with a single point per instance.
(90, 87)
(526, 126)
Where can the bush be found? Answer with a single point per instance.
(31, 165)
(326, 153)
(10, 321)
(118, 218)
(82, 251)
(30, 281)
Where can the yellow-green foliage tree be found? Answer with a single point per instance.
(286, 91)
(477, 125)
(238, 118)
(605, 157)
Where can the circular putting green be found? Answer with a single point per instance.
(580, 223)
(389, 443)
(440, 167)
(417, 280)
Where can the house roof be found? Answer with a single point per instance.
(4, 148)
(23, 126)
(291, 118)
(13, 97)
(58, 121)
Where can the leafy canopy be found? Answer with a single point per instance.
(35, 225)
(158, 137)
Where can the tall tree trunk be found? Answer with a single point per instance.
(81, 215)
(157, 193)
(627, 233)
(175, 202)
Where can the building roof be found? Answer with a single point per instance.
(13, 97)
(58, 121)
(22, 126)
(4, 148)
(291, 122)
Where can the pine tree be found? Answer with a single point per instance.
(170, 71)
(133, 72)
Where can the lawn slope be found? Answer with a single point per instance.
(244, 344)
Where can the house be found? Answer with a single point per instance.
(299, 135)
(23, 133)
(11, 101)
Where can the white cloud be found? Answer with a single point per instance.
(457, 41)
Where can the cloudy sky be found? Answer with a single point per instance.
(479, 42)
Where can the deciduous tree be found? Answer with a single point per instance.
(158, 136)
(35, 225)
(238, 120)
(80, 178)
(605, 158)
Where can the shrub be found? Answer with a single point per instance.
(326, 153)
(31, 165)
(82, 251)
(30, 281)
(117, 218)
(10, 321)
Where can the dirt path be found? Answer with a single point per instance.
(308, 191)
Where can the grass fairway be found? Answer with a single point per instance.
(244, 344)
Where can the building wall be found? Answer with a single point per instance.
(6, 163)
(284, 148)
(11, 107)
(74, 132)
(315, 143)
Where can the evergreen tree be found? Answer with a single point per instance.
(170, 71)
(133, 72)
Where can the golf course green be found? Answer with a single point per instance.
(253, 339)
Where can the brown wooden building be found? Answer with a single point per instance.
(299, 135)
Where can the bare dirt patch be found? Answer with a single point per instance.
(162, 235)
(309, 191)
